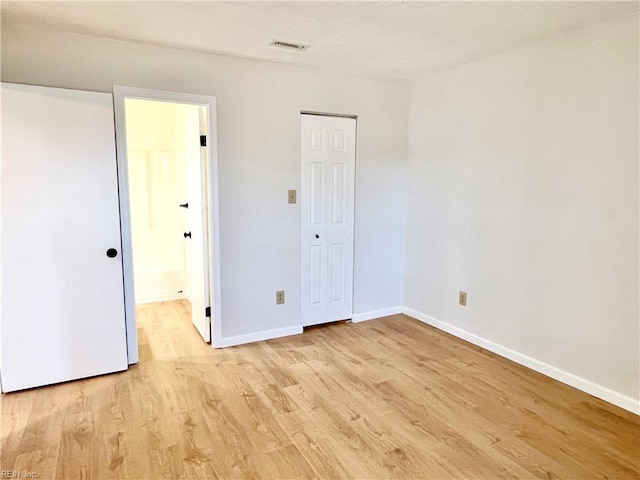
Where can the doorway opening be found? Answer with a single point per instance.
(168, 205)
(167, 168)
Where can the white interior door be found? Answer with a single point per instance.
(327, 203)
(62, 295)
(196, 244)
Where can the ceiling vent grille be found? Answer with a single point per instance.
(289, 45)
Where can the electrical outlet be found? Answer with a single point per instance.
(292, 196)
(462, 298)
(279, 297)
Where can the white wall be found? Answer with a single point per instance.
(259, 151)
(523, 191)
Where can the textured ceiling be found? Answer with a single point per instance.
(384, 39)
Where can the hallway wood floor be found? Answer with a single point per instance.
(389, 398)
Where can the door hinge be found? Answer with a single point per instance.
(203, 140)
(207, 312)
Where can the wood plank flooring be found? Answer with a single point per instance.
(389, 398)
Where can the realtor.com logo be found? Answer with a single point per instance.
(18, 474)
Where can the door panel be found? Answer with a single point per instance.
(339, 193)
(317, 193)
(327, 204)
(337, 273)
(316, 276)
(62, 296)
(197, 267)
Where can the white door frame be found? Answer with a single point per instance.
(120, 93)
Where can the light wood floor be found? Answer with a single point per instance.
(389, 398)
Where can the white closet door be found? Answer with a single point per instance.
(327, 201)
(62, 295)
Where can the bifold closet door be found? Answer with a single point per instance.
(62, 284)
(328, 155)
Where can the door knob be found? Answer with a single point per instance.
(187, 234)
(317, 236)
(185, 205)
(112, 252)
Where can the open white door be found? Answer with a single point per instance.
(196, 235)
(328, 147)
(62, 284)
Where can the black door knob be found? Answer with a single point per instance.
(317, 236)
(185, 205)
(112, 252)
(187, 234)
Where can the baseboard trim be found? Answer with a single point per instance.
(604, 393)
(259, 336)
(362, 317)
(159, 296)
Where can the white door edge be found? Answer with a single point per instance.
(120, 94)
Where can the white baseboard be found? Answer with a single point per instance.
(158, 296)
(604, 393)
(361, 317)
(258, 336)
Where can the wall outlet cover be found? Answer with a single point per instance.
(462, 298)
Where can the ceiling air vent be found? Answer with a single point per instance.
(289, 45)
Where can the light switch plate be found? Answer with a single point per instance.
(462, 298)
(292, 196)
